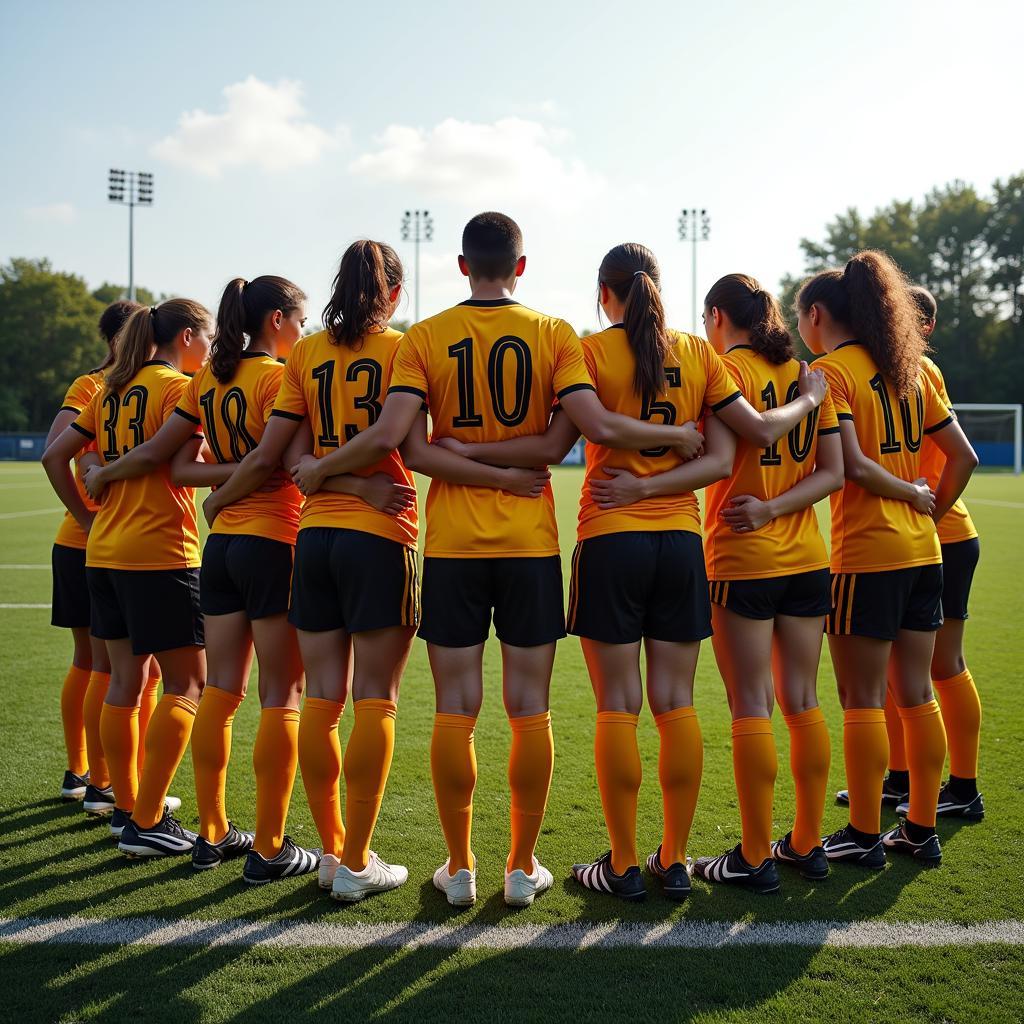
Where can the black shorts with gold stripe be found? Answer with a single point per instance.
(352, 580)
(801, 594)
(880, 604)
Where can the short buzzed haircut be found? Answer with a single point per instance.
(492, 245)
(926, 303)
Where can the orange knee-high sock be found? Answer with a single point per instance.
(810, 753)
(99, 773)
(119, 733)
(866, 753)
(926, 756)
(275, 757)
(755, 765)
(680, 765)
(150, 699)
(530, 763)
(211, 751)
(367, 764)
(320, 760)
(894, 730)
(619, 774)
(453, 769)
(961, 713)
(72, 701)
(166, 740)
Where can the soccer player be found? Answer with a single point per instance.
(886, 590)
(638, 570)
(489, 369)
(142, 564)
(769, 583)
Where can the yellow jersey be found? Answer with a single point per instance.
(489, 370)
(871, 533)
(233, 417)
(340, 390)
(145, 522)
(788, 544)
(70, 534)
(696, 380)
(956, 525)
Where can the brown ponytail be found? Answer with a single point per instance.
(149, 328)
(360, 299)
(753, 309)
(112, 319)
(631, 273)
(243, 308)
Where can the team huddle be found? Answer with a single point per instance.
(311, 564)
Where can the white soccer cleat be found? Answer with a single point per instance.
(329, 865)
(521, 888)
(351, 886)
(460, 888)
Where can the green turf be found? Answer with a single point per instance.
(53, 861)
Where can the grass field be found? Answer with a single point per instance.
(55, 863)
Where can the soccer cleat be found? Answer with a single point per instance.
(731, 869)
(599, 877)
(351, 886)
(167, 838)
(74, 786)
(812, 865)
(892, 794)
(329, 865)
(98, 802)
(460, 888)
(118, 820)
(206, 855)
(951, 806)
(289, 863)
(847, 846)
(927, 852)
(521, 888)
(675, 879)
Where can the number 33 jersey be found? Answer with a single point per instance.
(145, 522)
(340, 390)
(489, 370)
(871, 533)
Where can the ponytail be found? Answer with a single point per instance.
(112, 320)
(360, 296)
(243, 309)
(631, 273)
(756, 311)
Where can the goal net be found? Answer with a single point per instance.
(994, 431)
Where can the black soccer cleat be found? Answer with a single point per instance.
(118, 820)
(893, 792)
(599, 877)
(970, 808)
(74, 786)
(98, 802)
(848, 846)
(732, 869)
(167, 838)
(812, 865)
(927, 852)
(290, 862)
(675, 879)
(207, 855)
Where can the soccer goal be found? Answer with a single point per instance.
(994, 431)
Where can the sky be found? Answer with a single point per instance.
(278, 133)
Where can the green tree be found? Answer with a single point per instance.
(108, 293)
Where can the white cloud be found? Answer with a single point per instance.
(52, 213)
(263, 124)
(483, 163)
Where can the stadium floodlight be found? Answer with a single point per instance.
(694, 227)
(131, 189)
(417, 227)
(994, 431)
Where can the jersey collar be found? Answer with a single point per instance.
(255, 354)
(158, 362)
(486, 303)
(844, 344)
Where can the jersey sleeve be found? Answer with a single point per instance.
(86, 421)
(173, 394)
(188, 402)
(570, 369)
(720, 389)
(409, 368)
(78, 394)
(291, 401)
(937, 413)
(268, 390)
(828, 423)
(838, 389)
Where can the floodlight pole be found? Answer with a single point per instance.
(131, 189)
(694, 227)
(417, 227)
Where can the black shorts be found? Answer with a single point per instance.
(627, 586)
(351, 580)
(70, 608)
(803, 594)
(524, 594)
(880, 604)
(157, 609)
(242, 573)
(959, 561)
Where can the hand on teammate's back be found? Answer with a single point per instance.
(813, 383)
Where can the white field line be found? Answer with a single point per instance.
(30, 512)
(23, 606)
(149, 931)
(40, 565)
(994, 503)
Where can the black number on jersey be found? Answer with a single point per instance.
(911, 439)
(324, 377)
(770, 456)
(666, 410)
(800, 444)
(462, 353)
(370, 401)
(136, 398)
(497, 361)
(233, 410)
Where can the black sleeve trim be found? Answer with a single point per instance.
(938, 426)
(82, 430)
(187, 415)
(574, 388)
(726, 401)
(196, 437)
(401, 389)
(844, 416)
(424, 407)
(828, 430)
(286, 415)
(69, 408)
